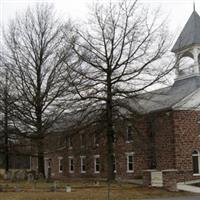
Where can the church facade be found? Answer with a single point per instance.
(168, 128)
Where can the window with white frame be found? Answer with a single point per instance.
(129, 133)
(60, 164)
(71, 164)
(130, 162)
(83, 164)
(196, 162)
(96, 164)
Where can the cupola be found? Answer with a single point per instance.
(187, 49)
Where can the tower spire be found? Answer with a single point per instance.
(194, 6)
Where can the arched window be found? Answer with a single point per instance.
(196, 162)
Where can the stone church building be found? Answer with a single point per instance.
(163, 135)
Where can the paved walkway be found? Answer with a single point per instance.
(179, 198)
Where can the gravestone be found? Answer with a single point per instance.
(156, 179)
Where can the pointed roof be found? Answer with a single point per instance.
(190, 34)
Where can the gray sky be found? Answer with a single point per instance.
(178, 10)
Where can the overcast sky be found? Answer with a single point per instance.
(178, 10)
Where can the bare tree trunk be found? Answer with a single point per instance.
(41, 158)
(110, 175)
(6, 125)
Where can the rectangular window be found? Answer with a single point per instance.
(129, 133)
(130, 162)
(66, 140)
(195, 165)
(196, 162)
(96, 164)
(83, 141)
(114, 134)
(83, 165)
(60, 164)
(70, 142)
(114, 164)
(71, 164)
(96, 139)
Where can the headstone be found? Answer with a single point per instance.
(55, 186)
(21, 175)
(8, 175)
(156, 179)
(30, 177)
(68, 188)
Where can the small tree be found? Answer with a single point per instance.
(123, 50)
(35, 52)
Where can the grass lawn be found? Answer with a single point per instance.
(80, 191)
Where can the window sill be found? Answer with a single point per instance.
(196, 174)
(130, 171)
(71, 172)
(60, 172)
(97, 172)
(83, 172)
(129, 141)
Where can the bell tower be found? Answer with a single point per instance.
(187, 49)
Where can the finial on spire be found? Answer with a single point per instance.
(194, 9)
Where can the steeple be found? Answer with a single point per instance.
(190, 34)
(187, 46)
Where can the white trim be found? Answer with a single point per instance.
(196, 174)
(69, 160)
(127, 162)
(82, 157)
(95, 164)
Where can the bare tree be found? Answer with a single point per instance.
(6, 106)
(35, 52)
(123, 49)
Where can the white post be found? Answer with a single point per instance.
(177, 66)
(196, 63)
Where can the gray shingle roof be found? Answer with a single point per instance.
(190, 34)
(165, 98)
